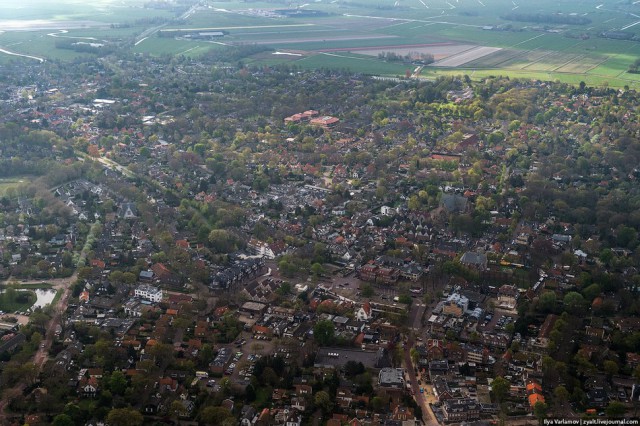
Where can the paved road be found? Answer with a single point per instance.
(42, 354)
(427, 415)
(415, 314)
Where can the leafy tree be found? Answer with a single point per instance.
(405, 298)
(591, 292)
(561, 394)
(615, 409)
(610, 368)
(323, 332)
(222, 241)
(124, 417)
(78, 415)
(317, 269)
(540, 411)
(415, 355)
(367, 290)
(117, 383)
(500, 388)
(269, 377)
(353, 368)
(284, 289)
(322, 400)
(377, 404)
(215, 415)
(63, 420)
(606, 256)
(547, 301)
(573, 302)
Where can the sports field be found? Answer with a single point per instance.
(559, 39)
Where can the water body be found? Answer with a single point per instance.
(46, 24)
(45, 297)
(7, 52)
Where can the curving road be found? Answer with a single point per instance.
(42, 354)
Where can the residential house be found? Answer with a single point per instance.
(364, 313)
(460, 410)
(474, 260)
(508, 297)
(148, 292)
(391, 378)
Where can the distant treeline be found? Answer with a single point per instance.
(235, 53)
(422, 58)
(634, 67)
(84, 47)
(547, 18)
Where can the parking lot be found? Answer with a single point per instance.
(254, 346)
(499, 320)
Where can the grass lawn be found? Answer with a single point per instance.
(155, 45)
(589, 79)
(35, 286)
(11, 301)
(263, 395)
(546, 51)
(355, 63)
(13, 182)
(57, 297)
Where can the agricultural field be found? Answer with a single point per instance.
(503, 36)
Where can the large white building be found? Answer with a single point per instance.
(149, 292)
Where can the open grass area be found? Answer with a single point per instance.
(169, 46)
(9, 184)
(12, 300)
(105, 11)
(355, 63)
(631, 80)
(57, 297)
(565, 50)
(33, 286)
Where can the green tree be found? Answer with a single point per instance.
(317, 269)
(78, 415)
(591, 292)
(323, 332)
(215, 415)
(561, 394)
(269, 377)
(63, 420)
(124, 417)
(117, 383)
(322, 400)
(540, 411)
(353, 368)
(367, 290)
(377, 404)
(606, 256)
(573, 302)
(615, 409)
(222, 241)
(500, 388)
(610, 368)
(284, 289)
(547, 301)
(415, 356)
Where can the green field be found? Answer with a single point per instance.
(12, 300)
(11, 183)
(170, 46)
(561, 50)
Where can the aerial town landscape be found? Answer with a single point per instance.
(218, 239)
